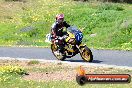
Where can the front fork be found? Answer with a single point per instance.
(81, 47)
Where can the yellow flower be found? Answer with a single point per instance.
(34, 18)
(12, 69)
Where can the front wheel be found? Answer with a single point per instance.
(86, 54)
(57, 53)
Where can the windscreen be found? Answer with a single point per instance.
(78, 34)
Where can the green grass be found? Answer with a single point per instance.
(32, 62)
(27, 23)
(16, 81)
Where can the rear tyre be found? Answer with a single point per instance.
(86, 54)
(59, 56)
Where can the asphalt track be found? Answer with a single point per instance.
(110, 57)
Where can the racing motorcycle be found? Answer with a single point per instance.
(73, 45)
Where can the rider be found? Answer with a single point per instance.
(57, 31)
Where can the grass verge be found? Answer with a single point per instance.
(27, 22)
(54, 75)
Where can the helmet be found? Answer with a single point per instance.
(59, 16)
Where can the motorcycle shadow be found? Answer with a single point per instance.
(94, 61)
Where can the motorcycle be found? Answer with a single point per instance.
(73, 45)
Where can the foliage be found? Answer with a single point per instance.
(12, 69)
(119, 1)
(33, 62)
(28, 23)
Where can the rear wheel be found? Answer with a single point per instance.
(57, 53)
(86, 54)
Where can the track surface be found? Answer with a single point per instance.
(110, 57)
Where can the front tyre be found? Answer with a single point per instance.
(86, 54)
(56, 52)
